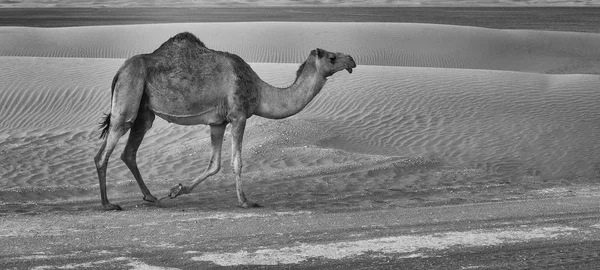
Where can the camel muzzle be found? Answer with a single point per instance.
(351, 65)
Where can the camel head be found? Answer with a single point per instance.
(328, 63)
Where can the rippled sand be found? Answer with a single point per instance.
(432, 113)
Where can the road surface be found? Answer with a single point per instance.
(555, 233)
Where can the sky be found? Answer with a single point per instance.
(251, 3)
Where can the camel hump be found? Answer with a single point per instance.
(183, 39)
(186, 37)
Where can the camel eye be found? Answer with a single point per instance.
(332, 58)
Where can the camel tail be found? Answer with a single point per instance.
(105, 124)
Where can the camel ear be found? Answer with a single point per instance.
(319, 53)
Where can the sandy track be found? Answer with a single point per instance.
(173, 238)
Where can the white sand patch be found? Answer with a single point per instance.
(36, 257)
(248, 215)
(415, 255)
(550, 191)
(80, 265)
(137, 265)
(44, 256)
(388, 245)
(132, 262)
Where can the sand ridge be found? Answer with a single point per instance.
(387, 44)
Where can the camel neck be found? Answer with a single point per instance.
(278, 103)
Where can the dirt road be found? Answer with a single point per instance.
(543, 233)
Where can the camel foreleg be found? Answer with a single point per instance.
(237, 136)
(216, 139)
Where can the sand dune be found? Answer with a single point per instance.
(45, 93)
(386, 44)
(387, 128)
(430, 108)
(517, 123)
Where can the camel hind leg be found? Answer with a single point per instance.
(142, 124)
(128, 88)
(114, 134)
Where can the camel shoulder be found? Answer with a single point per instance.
(237, 63)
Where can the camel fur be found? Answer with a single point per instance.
(186, 83)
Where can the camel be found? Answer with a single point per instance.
(186, 83)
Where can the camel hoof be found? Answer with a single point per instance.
(150, 198)
(249, 205)
(163, 202)
(112, 207)
(177, 190)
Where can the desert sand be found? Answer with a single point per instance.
(432, 115)
(430, 106)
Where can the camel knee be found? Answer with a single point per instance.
(236, 164)
(128, 157)
(214, 168)
(119, 127)
(148, 125)
(98, 162)
(98, 157)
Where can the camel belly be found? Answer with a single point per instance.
(187, 107)
(206, 118)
